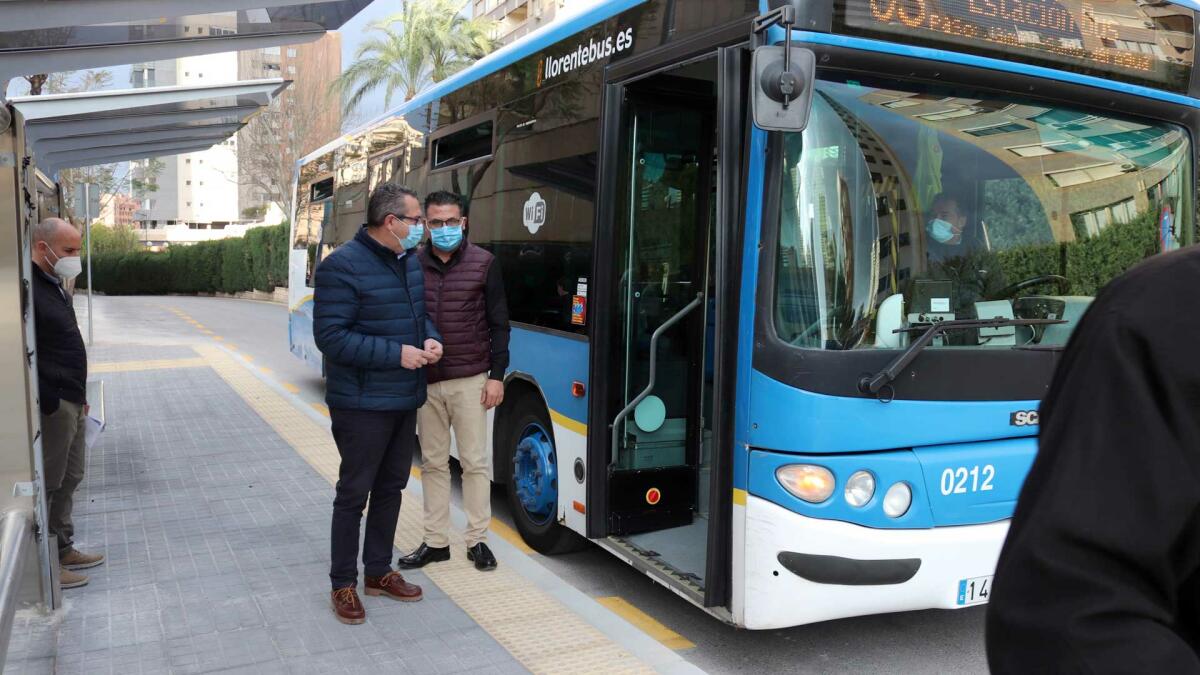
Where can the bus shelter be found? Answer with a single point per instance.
(42, 135)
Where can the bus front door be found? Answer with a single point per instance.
(661, 334)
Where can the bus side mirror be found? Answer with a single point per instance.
(783, 87)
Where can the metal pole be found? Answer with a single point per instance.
(88, 224)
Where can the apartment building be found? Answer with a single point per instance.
(304, 118)
(516, 18)
(117, 209)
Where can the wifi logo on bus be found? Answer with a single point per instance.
(534, 213)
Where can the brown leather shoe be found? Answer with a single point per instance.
(394, 586)
(74, 559)
(347, 607)
(69, 579)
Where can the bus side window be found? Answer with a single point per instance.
(307, 232)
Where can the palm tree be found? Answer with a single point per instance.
(455, 41)
(426, 42)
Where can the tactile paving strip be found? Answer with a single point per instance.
(153, 364)
(541, 633)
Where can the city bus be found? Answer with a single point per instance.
(788, 280)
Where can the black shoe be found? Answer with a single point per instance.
(423, 556)
(482, 555)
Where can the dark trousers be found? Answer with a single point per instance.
(63, 460)
(377, 452)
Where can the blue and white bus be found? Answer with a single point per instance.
(784, 353)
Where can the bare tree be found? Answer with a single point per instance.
(109, 178)
(36, 83)
(301, 119)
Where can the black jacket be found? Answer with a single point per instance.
(367, 305)
(61, 355)
(1101, 569)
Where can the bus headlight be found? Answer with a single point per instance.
(897, 500)
(813, 484)
(860, 488)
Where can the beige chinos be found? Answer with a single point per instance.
(455, 404)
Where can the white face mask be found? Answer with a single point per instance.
(67, 267)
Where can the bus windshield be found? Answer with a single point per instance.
(901, 206)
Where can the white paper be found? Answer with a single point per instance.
(939, 304)
(91, 431)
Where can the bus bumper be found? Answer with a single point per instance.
(801, 570)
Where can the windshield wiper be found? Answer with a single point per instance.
(873, 384)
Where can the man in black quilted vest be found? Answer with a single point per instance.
(62, 387)
(464, 295)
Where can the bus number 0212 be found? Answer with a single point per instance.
(961, 480)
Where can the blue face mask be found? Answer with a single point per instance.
(415, 232)
(446, 238)
(941, 230)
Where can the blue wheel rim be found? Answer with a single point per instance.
(535, 474)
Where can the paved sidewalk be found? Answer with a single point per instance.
(210, 493)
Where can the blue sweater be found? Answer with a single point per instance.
(368, 304)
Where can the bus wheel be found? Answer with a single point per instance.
(533, 481)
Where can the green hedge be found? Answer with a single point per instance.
(257, 261)
(1090, 263)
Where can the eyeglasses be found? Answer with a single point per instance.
(439, 224)
(409, 220)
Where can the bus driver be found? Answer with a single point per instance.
(957, 250)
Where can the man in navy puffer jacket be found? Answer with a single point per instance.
(370, 323)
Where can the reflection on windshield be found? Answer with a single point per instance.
(900, 208)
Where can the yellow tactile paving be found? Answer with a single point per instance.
(150, 364)
(536, 629)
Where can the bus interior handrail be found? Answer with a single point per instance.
(658, 332)
(15, 538)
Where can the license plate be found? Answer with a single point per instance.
(974, 591)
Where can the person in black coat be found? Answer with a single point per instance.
(370, 323)
(62, 388)
(1101, 568)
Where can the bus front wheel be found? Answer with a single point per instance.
(533, 480)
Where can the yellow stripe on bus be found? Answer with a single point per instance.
(302, 301)
(568, 423)
(739, 497)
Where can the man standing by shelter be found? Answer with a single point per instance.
(62, 386)
(370, 324)
(465, 295)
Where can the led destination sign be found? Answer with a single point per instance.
(1142, 43)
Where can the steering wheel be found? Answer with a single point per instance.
(1064, 285)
